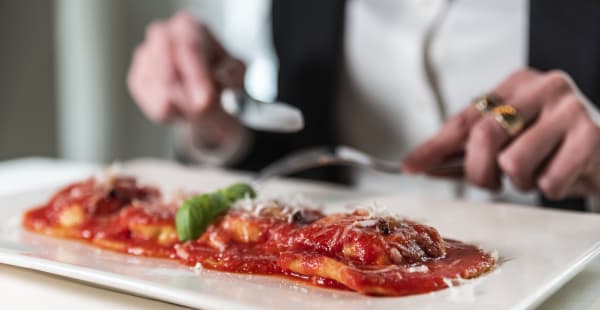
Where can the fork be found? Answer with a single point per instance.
(341, 155)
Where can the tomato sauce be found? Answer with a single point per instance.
(370, 254)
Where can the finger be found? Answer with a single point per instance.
(530, 91)
(570, 160)
(511, 86)
(483, 145)
(453, 168)
(450, 140)
(196, 79)
(487, 137)
(192, 64)
(447, 142)
(152, 73)
(525, 156)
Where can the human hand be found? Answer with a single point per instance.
(179, 70)
(558, 151)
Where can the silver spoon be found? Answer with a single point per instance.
(261, 115)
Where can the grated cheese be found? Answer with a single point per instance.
(365, 223)
(181, 252)
(396, 256)
(108, 175)
(216, 242)
(420, 268)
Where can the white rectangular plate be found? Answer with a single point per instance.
(539, 251)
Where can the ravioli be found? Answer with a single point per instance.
(359, 251)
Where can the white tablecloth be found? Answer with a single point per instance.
(25, 289)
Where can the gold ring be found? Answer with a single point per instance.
(486, 103)
(508, 117)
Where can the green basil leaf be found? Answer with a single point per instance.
(197, 213)
(238, 191)
(183, 223)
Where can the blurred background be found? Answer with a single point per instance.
(63, 66)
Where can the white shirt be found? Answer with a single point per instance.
(386, 103)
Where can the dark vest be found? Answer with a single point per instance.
(308, 37)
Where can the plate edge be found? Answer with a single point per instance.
(118, 283)
(548, 289)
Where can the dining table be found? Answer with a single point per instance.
(28, 289)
